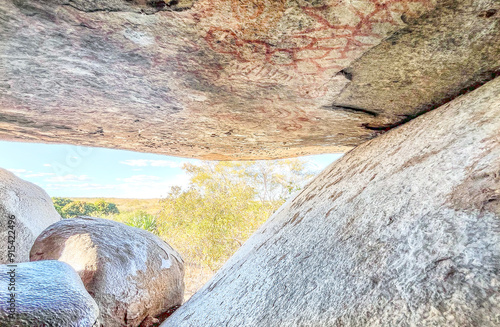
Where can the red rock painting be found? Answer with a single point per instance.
(326, 37)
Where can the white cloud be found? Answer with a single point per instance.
(139, 179)
(135, 187)
(79, 186)
(147, 186)
(39, 175)
(152, 163)
(69, 178)
(166, 163)
(18, 171)
(135, 163)
(88, 186)
(47, 165)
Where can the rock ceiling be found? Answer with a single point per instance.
(235, 79)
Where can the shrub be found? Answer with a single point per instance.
(105, 208)
(60, 203)
(143, 220)
(78, 208)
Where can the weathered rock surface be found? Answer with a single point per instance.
(47, 293)
(449, 51)
(32, 210)
(235, 79)
(404, 230)
(131, 273)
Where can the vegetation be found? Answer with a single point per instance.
(105, 208)
(60, 203)
(141, 219)
(150, 206)
(224, 203)
(68, 208)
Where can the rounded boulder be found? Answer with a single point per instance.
(44, 293)
(25, 211)
(132, 274)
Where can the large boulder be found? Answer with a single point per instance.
(258, 79)
(44, 293)
(404, 230)
(132, 274)
(25, 211)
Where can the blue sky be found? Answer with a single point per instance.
(73, 171)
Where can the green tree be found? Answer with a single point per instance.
(60, 203)
(105, 208)
(78, 208)
(224, 204)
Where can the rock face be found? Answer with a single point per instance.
(435, 58)
(256, 79)
(25, 211)
(47, 293)
(404, 230)
(132, 274)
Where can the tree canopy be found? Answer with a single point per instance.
(68, 208)
(224, 204)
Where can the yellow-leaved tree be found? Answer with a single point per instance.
(223, 205)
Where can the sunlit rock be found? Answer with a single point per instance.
(25, 211)
(132, 274)
(44, 293)
(404, 230)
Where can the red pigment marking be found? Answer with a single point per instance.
(307, 55)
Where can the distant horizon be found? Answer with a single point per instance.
(86, 172)
(104, 198)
